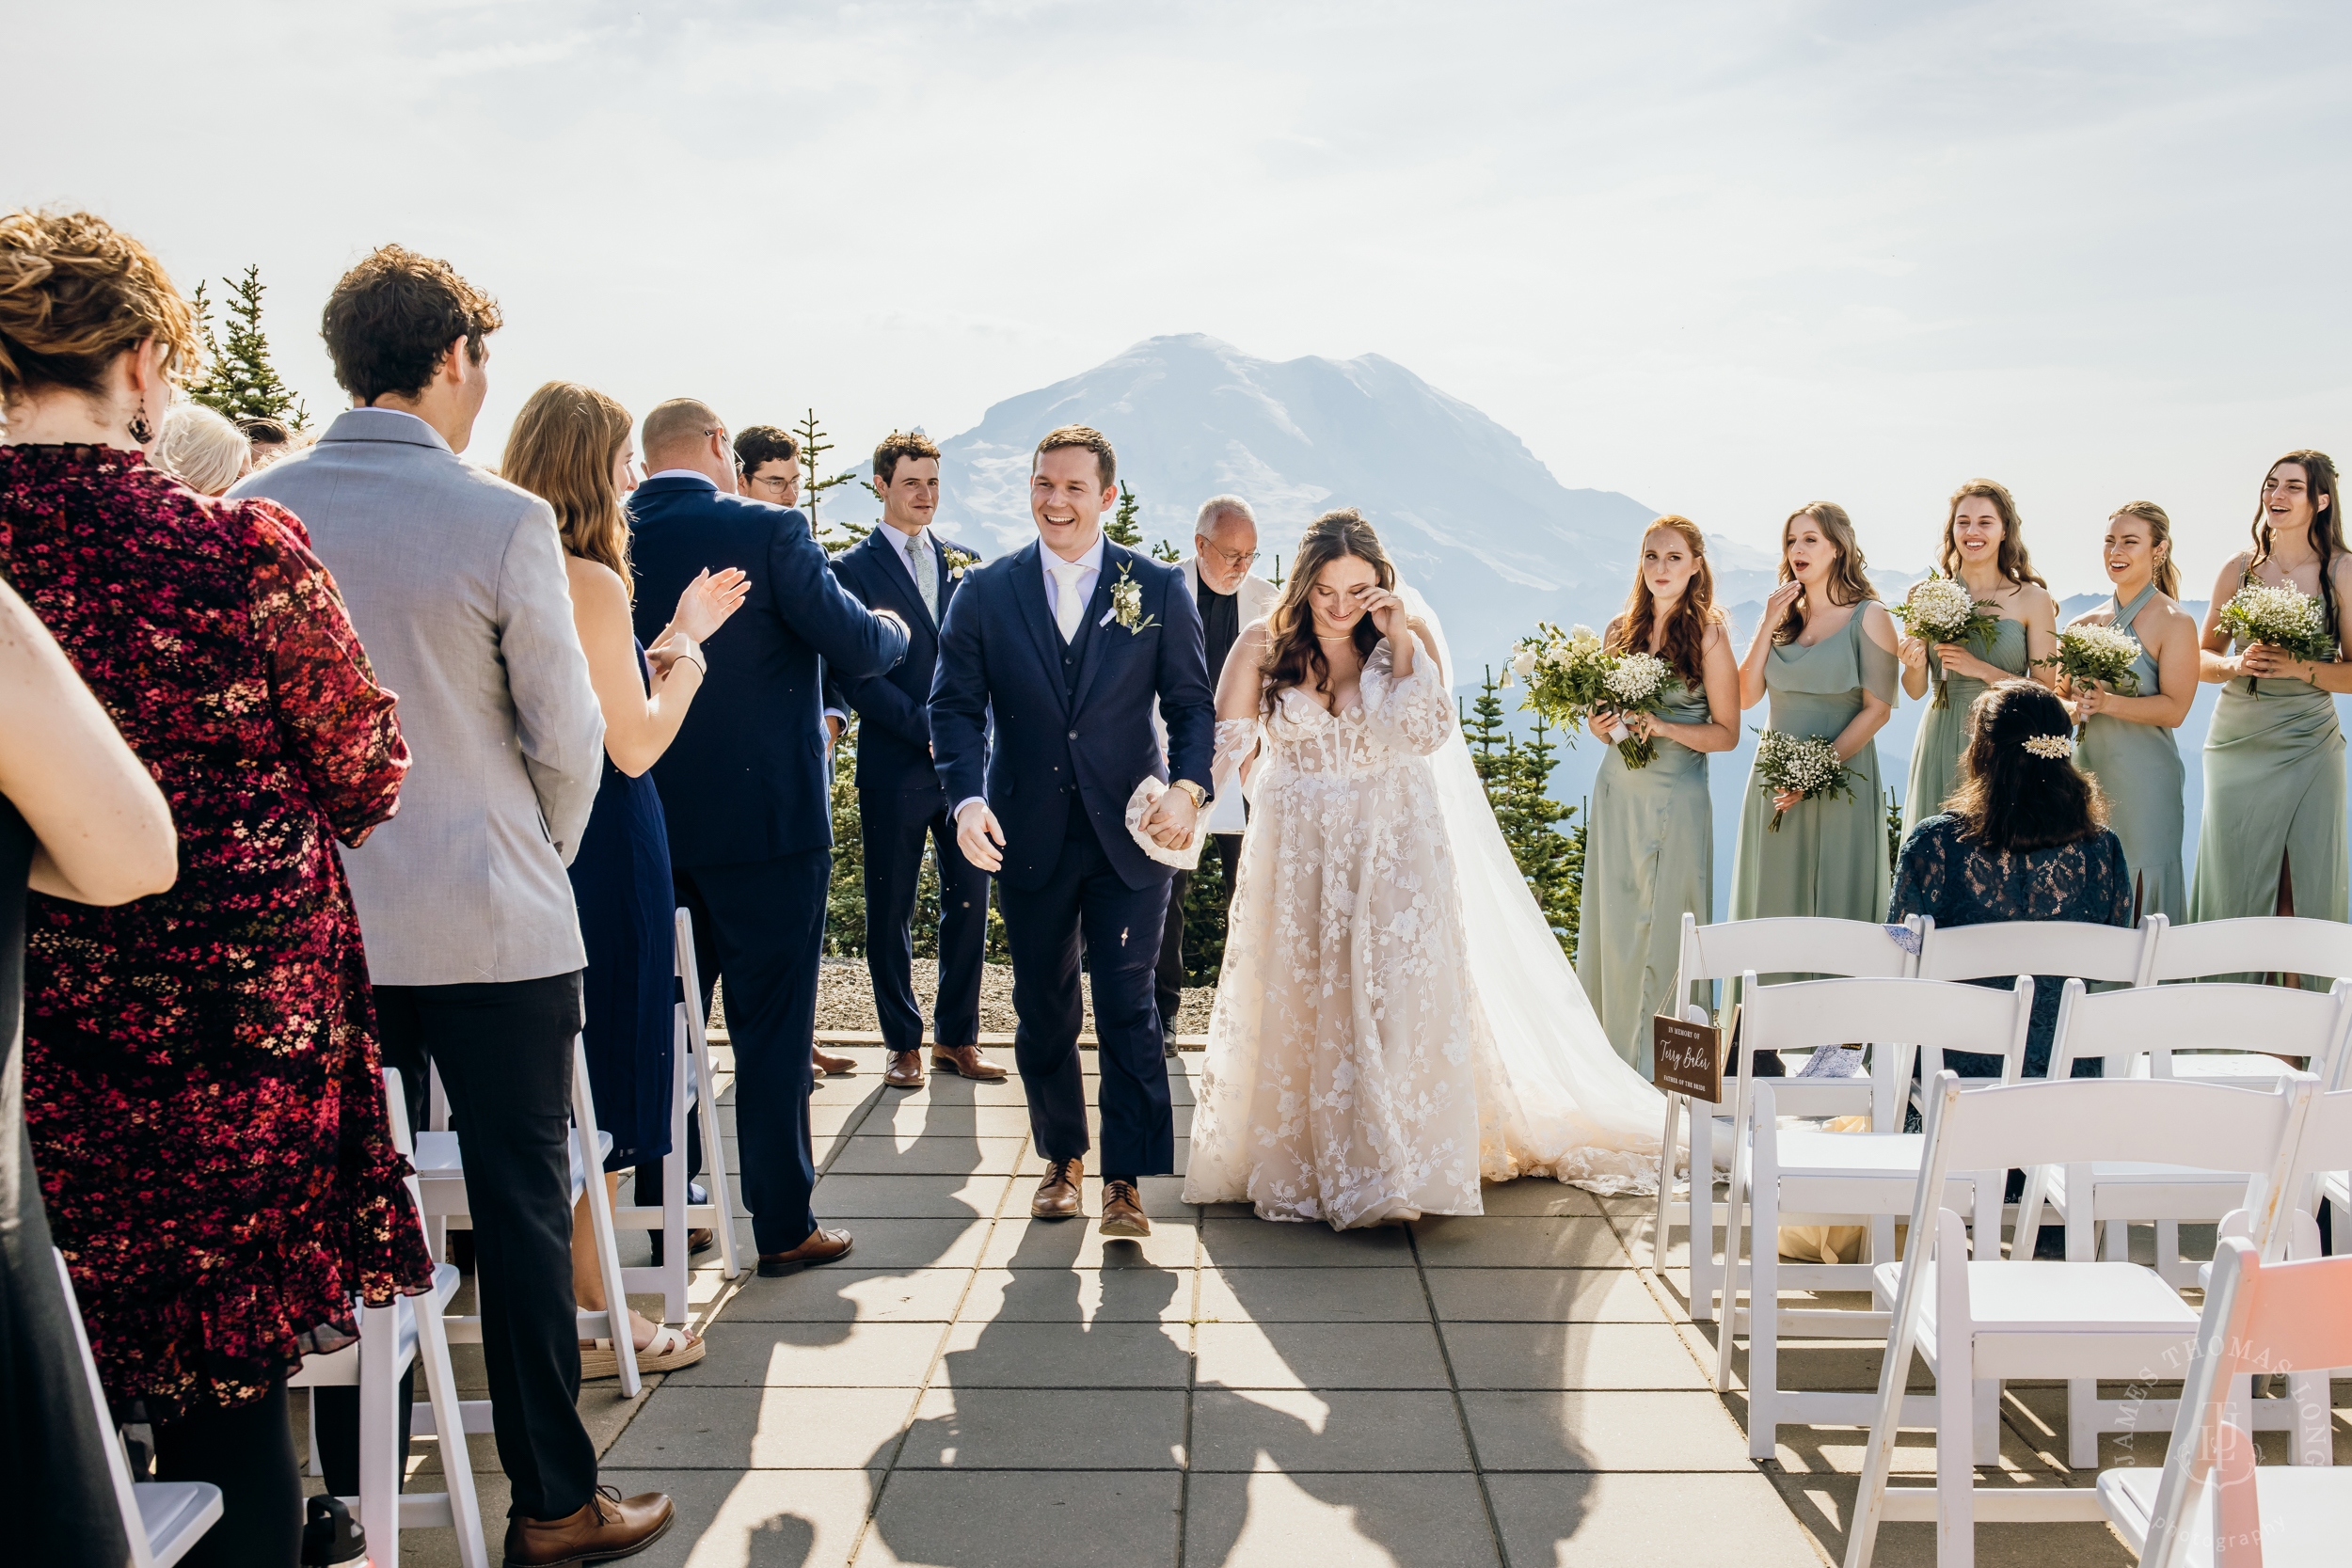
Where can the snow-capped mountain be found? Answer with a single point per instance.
(1484, 529)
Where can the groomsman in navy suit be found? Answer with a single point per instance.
(904, 567)
(1069, 641)
(744, 790)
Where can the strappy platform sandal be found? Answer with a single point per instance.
(670, 1348)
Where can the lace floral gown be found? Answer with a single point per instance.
(1351, 1076)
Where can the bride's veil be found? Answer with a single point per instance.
(1576, 1093)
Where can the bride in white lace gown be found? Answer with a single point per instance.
(1354, 1073)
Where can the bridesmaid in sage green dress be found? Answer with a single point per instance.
(1825, 653)
(2272, 840)
(1649, 851)
(1984, 549)
(2128, 743)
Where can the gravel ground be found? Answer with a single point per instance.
(844, 998)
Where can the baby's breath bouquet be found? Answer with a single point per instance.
(2284, 617)
(1569, 677)
(1802, 764)
(1941, 609)
(2092, 651)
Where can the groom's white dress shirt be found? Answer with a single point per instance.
(1082, 583)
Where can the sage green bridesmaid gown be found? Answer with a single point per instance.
(1944, 731)
(2274, 789)
(2139, 771)
(1649, 854)
(1830, 856)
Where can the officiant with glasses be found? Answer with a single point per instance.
(1229, 596)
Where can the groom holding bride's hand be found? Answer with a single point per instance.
(1067, 641)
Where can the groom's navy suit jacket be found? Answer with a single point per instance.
(1078, 740)
(894, 740)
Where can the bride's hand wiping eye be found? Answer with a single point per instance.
(1387, 610)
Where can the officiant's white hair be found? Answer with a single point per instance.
(1205, 521)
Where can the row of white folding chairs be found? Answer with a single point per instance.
(2153, 953)
(1806, 1176)
(1977, 1322)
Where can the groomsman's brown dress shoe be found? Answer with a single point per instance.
(826, 1063)
(905, 1070)
(607, 1528)
(965, 1061)
(1122, 1209)
(823, 1246)
(1057, 1195)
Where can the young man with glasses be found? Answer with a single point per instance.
(1224, 548)
(768, 461)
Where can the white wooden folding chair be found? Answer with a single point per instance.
(1722, 954)
(441, 1170)
(1810, 1177)
(164, 1519)
(411, 1330)
(2211, 1506)
(2114, 955)
(1978, 1322)
(2149, 1028)
(2242, 950)
(692, 1089)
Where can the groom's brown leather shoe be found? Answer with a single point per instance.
(965, 1061)
(1057, 1195)
(827, 1064)
(1122, 1209)
(905, 1070)
(823, 1246)
(606, 1528)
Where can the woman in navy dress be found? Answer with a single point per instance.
(570, 445)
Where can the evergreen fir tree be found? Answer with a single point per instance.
(1517, 780)
(813, 446)
(239, 381)
(1166, 551)
(1122, 528)
(845, 892)
(1894, 828)
(1277, 577)
(1204, 920)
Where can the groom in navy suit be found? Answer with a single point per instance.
(1070, 640)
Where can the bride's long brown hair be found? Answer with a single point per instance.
(1293, 657)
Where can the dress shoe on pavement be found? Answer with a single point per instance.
(606, 1528)
(965, 1061)
(1122, 1209)
(905, 1070)
(1057, 1195)
(823, 1246)
(827, 1064)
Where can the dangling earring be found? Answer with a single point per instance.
(141, 430)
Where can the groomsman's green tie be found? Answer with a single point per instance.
(926, 572)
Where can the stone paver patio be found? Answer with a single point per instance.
(972, 1388)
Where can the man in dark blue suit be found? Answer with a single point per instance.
(903, 565)
(1069, 641)
(744, 790)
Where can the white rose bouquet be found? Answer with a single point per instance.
(1940, 609)
(2284, 617)
(1569, 677)
(2094, 653)
(1799, 765)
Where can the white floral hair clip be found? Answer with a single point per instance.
(2054, 747)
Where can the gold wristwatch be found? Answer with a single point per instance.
(1199, 796)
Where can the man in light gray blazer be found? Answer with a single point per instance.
(455, 584)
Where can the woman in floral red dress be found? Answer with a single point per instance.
(200, 1065)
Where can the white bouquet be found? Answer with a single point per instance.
(1941, 609)
(2285, 618)
(1799, 765)
(1569, 677)
(2091, 652)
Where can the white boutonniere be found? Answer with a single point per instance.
(958, 559)
(1127, 603)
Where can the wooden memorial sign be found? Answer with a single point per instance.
(1687, 1058)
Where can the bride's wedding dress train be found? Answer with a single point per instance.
(1394, 1021)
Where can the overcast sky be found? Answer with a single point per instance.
(1725, 258)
